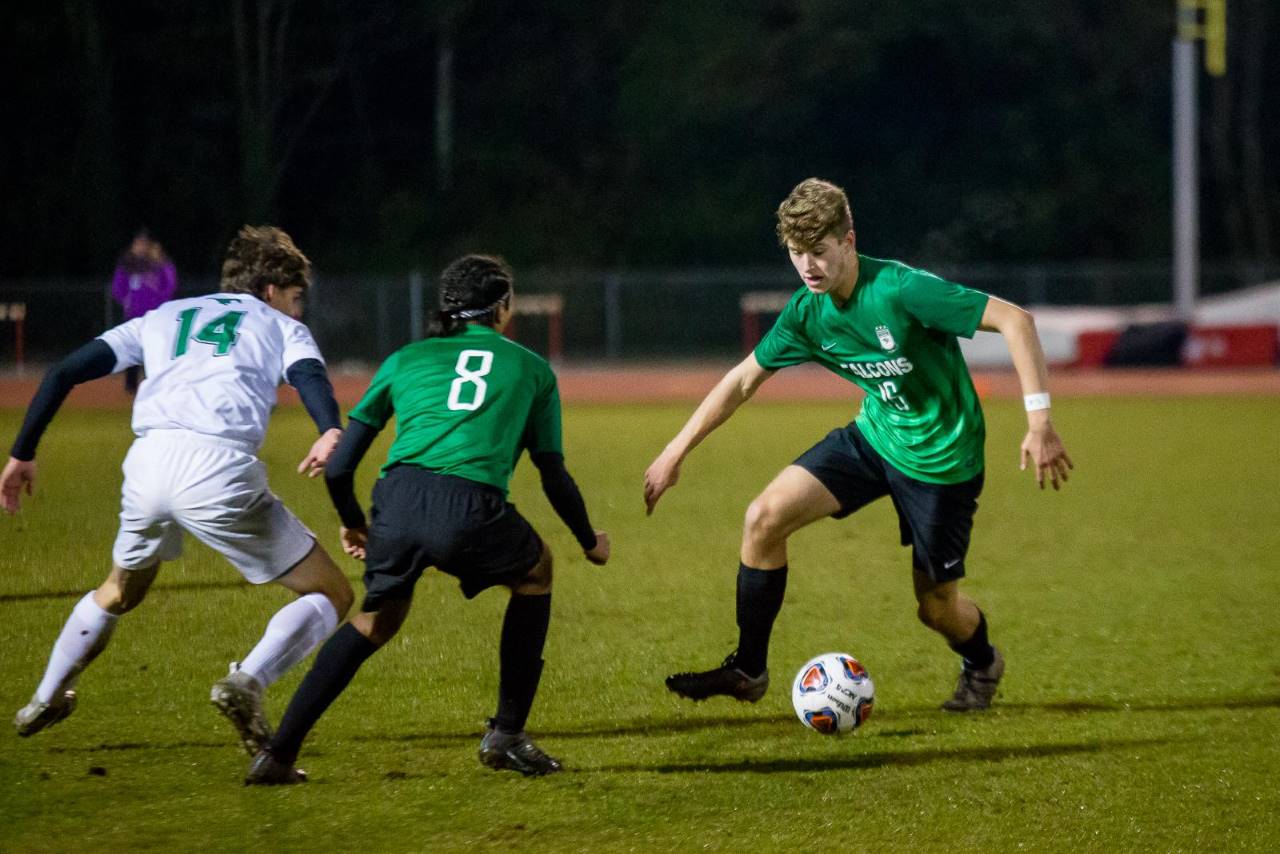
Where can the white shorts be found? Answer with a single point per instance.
(217, 490)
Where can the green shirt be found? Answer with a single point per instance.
(896, 339)
(465, 405)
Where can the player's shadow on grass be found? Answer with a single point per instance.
(667, 726)
(881, 759)
(107, 747)
(1173, 705)
(664, 727)
(176, 587)
(658, 727)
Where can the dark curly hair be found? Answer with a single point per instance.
(471, 289)
(262, 255)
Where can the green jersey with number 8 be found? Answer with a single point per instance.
(465, 405)
(896, 339)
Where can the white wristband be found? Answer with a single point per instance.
(1039, 400)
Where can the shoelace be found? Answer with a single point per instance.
(531, 750)
(972, 679)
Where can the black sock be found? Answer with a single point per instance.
(977, 652)
(759, 600)
(337, 661)
(524, 632)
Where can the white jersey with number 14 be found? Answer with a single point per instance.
(213, 364)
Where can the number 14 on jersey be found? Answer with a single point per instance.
(219, 333)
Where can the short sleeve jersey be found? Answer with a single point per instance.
(896, 339)
(465, 405)
(213, 364)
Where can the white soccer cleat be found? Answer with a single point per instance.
(35, 716)
(238, 696)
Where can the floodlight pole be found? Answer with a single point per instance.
(1186, 180)
(1186, 139)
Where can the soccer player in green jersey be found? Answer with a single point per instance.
(891, 330)
(467, 402)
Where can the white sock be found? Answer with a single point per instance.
(293, 632)
(84, 636)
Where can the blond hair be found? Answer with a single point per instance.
(814, 209)
(262, 255)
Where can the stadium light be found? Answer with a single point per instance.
(1212, 30)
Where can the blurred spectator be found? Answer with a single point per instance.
(144, 278)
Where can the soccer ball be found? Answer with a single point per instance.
(833, 693)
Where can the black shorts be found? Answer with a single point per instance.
(935, 519)
(467, 529)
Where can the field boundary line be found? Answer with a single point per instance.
(677, 383)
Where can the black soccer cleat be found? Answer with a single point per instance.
(976, 688)
(515, 752)
(727, 680)
(266, 770)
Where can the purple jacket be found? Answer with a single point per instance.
(140, 284)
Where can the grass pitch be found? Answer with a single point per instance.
(1138, 610)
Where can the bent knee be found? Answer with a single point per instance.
(929, 614)
(342, 598)
(936, 611)
(117, 596)
(335, 587)
(763, 520)
(317, 573)
(538, 580)
(381, 626)
(339, 592)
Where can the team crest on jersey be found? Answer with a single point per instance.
(885, 336)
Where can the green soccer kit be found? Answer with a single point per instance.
(465, 405)
(896, 339)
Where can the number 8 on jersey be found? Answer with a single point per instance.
(470, 377)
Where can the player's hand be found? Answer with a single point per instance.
(314, 462)
(355, 541)
(1044, 450)
(599, 553)
(661, 475)
(17, 475)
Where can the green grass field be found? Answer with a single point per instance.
(1138, 609)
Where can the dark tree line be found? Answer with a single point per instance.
(390, 134)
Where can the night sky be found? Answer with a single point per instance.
(621, 134)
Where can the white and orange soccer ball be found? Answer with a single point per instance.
(833, 693)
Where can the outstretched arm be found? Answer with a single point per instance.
(93, 360)
(567, 501)
(734, 389)
(1042, 445)
(311, 380)
(340, 477)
